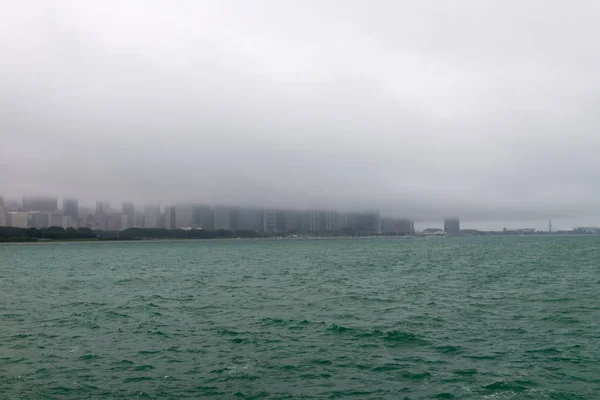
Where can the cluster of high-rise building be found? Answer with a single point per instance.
(43, 212)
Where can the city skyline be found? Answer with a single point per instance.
(214, 216)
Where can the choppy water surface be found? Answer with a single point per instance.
(464, 318)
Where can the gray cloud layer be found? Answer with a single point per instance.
(485, 109)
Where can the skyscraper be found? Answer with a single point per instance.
(184, 215)
(274, 221)
(452, 225)
(364, 221)
(203, 217)
(118, 222)
(292, 221)
(3, 216)
(151, 215)
(40, 203)
(406, 225)
(393, 225)
(129, 210)
(70, 208)
(102, 207)
(313, 221)
(250, 219)
(170, 217)
(222, 218)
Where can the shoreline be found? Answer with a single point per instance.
(279, 238)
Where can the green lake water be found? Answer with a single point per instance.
(440, 318)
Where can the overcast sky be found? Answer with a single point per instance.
(483, 109)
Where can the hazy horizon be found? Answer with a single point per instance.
(485, 110)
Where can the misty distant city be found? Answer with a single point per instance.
(299, 199)
(42, 212)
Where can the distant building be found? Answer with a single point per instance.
(593, 230)
(70, 222)
(12, 205)
(118, 222)
(367, 222)
(138, 219)
(452, 226)
(40, 203)
(321, 221)
(169, 217)
(234, 215)
(313, 221)
(3, 216)
(304, 221)
(203, 217)
(103, 207)
(184, 215)
(128, 209)
(389, 225)
(39, 220)
(394, 225)
(250, 219)
(328, 221)
(56, 218)
(406, 225)
(70, 208)
(222, 218)
(151, 215)
(273, 221)
(83, 213)
(341, 221)
(292, 221)
(100, 220)
(18, 219)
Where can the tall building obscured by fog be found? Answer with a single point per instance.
(234, 215)
(184, 215)
(118, 222)
(292, 220)
(394, 225)
(203, 217)
(369, 222)
(223, 218)
(151, 215)
(129, 210)
(169, 217)
(406, 225)
(341, 221)
(3, 215)
(250, 219)
(313, 221)
(273, 221)
(102, 207)
(70, 208)
(327, 221)
(452, 226)
(304, 220)
(40, 203)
